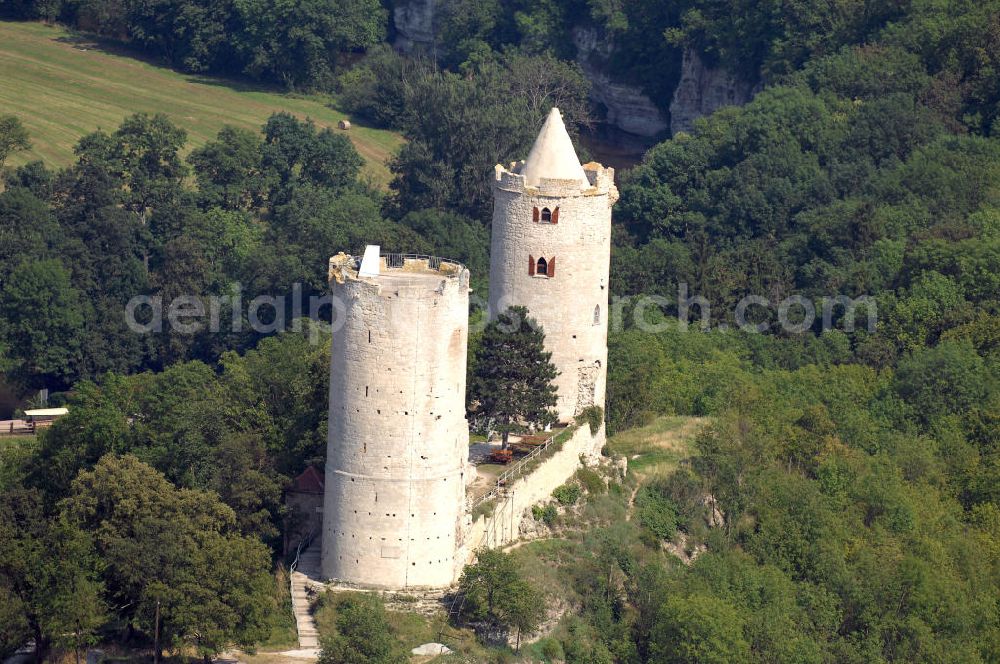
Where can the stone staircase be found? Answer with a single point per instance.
(305, 576)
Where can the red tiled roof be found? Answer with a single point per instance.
(310, 481)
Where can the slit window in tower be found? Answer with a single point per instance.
(597, 315)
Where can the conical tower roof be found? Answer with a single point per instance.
(553, 155)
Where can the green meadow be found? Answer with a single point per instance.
(63, 85)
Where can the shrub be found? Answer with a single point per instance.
(591, 481)
(484, 509)
(656, 512)
(567, 494)
(594, 416)
(684, 489)
(549, 515)
(546, 515)
(551, 649)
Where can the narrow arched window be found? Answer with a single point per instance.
(542, 267)
(546, 216)
(597, 315)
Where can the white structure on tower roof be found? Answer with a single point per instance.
(553, 156)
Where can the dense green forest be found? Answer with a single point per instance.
(856, 472)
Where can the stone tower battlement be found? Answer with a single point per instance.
(600, 179)
(397, 269)
(397, 452)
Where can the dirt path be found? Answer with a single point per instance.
(656, 448)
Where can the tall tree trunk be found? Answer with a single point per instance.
(40, 646)
(156, 635)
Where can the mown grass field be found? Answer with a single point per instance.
(63, 86)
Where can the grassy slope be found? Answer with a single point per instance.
(63, 86)
(658, 446)
(410, 628)
(553, 564)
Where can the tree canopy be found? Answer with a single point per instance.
(512, 382)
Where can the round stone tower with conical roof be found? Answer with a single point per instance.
(551, 252)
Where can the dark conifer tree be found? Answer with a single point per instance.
(512, 386)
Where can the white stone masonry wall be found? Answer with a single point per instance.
(397, 453)
(572, 304)
(503, 526)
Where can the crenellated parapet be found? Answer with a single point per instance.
(601, 181)
(344, 268)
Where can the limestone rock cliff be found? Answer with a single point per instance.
(702, 90)
(628, 108)
(414, 20)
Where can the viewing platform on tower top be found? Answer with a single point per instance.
(392, 266)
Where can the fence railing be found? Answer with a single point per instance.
(303, 545)
(515, 471)
(22, 427)
(393, 261)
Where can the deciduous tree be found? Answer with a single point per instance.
(173, 553)
(13, 137)
(496, 591)
(363, 635)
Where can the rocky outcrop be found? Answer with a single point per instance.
(628, 108)
(414, 20)
(686, 551)
(702, 90)
(431, 650)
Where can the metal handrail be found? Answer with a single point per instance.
(304, 544)
(511, 472)
(396, 260)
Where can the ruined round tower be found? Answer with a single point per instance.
(551, 252)
(397, 451)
